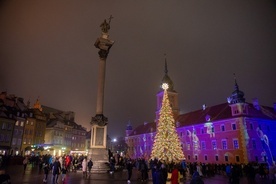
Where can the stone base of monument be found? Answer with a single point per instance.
(100, 160)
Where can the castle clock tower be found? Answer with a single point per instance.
(172, 94)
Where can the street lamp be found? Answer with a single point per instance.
(113, 144)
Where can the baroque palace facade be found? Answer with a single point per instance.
(38, 130)
(232, 132)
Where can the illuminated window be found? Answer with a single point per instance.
(203, 145)
(226, 158)
(224, 144)
(18, 141)
(13, 141)
(214, 144)
(188, 146)
(222, 128)
(17, 123)
(4, 126)
(237, 158)
(251, 126)
(234, 126)
(254, 143)
(22, 123)
(236, 144)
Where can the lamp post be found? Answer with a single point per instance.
(113, 142)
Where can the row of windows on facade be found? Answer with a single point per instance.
(30, 141)
(224, 145)
(60, 133)
(203, 145)
(17, 123)
(203, 130)
(30, 132)
(67, 143)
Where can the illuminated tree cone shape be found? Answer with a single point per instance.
(166, 145)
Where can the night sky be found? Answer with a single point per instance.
(47, 51)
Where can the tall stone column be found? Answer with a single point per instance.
(98, 150)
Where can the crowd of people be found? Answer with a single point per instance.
(157, 171)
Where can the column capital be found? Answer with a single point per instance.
(104, 44)
(99, 119)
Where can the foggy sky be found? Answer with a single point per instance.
(47, 51)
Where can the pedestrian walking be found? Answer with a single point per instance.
(174, 178)
(46, 169)
(25, 162)
(163, 174)
(84, 168)
(56, 171)
(129, 170)
(112, 165)
(235, 175)
(89, 165)
(143, 168)
(196, 179)
(63, 172)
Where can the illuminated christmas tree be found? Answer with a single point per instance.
(166, 145)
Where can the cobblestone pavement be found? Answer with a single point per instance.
(32, 175)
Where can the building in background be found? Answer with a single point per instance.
(63, 135)
(38, 130)
(34, 130)
(231, 132)
(12, 123)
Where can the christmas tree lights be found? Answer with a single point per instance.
(166, 146)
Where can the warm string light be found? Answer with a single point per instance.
(166, 143)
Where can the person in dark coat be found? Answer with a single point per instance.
(46, 169)
(163, 174)
(89, 165)
(235, 175)
(143, 168)
(196, 179)
(56, 168)
(129, 167)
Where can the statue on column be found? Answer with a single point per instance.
(103, 43)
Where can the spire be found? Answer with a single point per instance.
(237, 96)
(166, 66)
(166, 78)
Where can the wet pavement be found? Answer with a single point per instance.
(32, 175)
